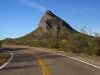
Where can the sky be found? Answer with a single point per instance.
(20, 17)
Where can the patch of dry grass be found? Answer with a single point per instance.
(4, 56)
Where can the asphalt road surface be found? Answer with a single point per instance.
(29, 61)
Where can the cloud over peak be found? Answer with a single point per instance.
(34, 5)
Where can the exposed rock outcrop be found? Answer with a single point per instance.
(50, 23)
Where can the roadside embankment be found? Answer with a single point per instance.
(4, 56)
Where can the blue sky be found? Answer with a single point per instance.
(20, 17)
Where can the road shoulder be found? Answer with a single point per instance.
(5, 57)
(89, 59)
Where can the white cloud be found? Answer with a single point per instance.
(35, 5)
(79, 11)
(6, 24)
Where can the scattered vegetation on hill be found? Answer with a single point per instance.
(75, 42)
(83, 43)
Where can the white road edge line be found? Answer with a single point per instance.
(80, 61)
(7, 61)
(75, 59)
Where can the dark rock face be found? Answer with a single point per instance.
(50, 23)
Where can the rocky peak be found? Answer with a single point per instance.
(49, 13)
(51, 23)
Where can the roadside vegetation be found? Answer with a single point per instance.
(4, 56)
(80, 43)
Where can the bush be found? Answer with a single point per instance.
(95, 48)
(77, 43)
(52, 43)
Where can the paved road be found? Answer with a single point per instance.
(29, 61)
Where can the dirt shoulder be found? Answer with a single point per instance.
(4, 56)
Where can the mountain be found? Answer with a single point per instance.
(53, 32)
(52, 24)
(50, 27)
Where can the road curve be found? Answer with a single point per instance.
(29, 61)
